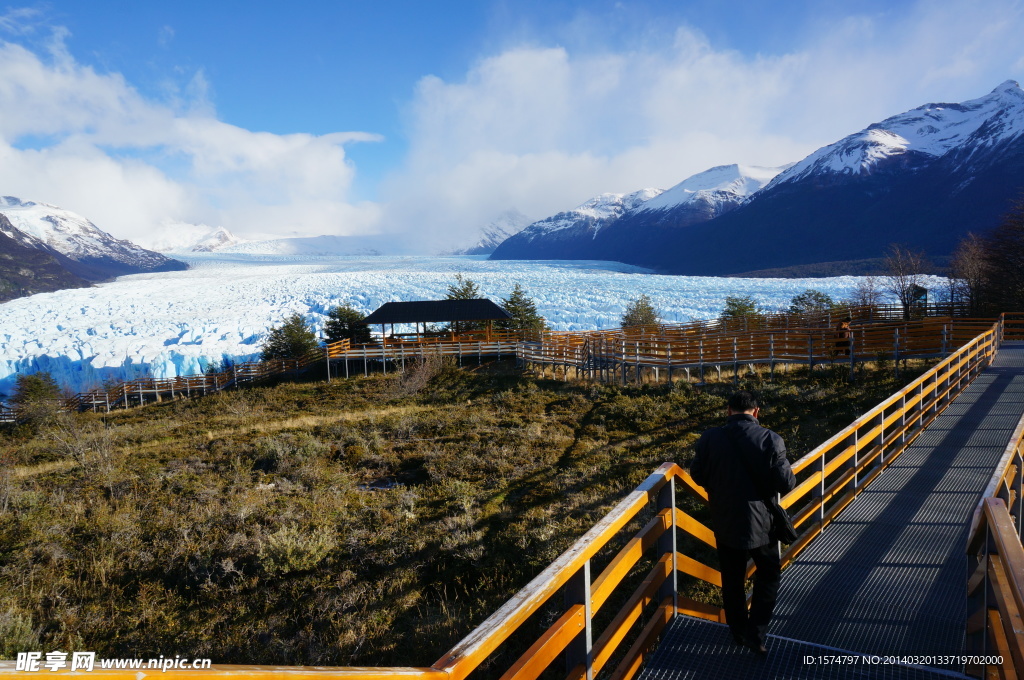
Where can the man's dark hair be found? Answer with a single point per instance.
(743, 401)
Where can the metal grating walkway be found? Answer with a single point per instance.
(887, 577)
(695, 649)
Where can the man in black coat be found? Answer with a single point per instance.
(740, 464)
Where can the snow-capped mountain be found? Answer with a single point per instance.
(923, 178)
(720, 189)
(77, 243)
(182, 237)
(592, 230)
(920, 136)
(507, 224)
(566, 234)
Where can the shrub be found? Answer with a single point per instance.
(291, 550)
(740, 307)
(36, 399)
(16, 635)
(639, 312)
(811, 302)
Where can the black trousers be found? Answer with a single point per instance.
(733, 562)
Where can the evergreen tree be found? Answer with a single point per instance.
(464, 289)
(740, 307)
(36, 399)
(344, 322)
(523, 311)
(639, 312)
(292, 340)
(811, 302)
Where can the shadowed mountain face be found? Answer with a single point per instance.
(924, 178)
(26, 271)
(817, 220)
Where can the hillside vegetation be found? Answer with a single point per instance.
(373, 521)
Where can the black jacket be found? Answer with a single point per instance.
(738, 514)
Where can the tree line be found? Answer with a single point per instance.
(296, 337)
(985, 277)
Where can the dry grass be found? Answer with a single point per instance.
(373, 521)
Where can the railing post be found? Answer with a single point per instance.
(820, 492)
(622, 359)
(636, 360)
(736, 361)
(879, 441)
(580, 650)
(668, 359)
(667, 543)
(700, 350)
(771, 355)
(896, 353)
(810, 353)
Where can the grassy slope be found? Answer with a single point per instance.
(354, 523)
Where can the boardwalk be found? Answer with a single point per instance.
(887, 577)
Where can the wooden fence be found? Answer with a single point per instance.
(619, 355)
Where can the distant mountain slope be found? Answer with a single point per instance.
(77, 243)
(25, 270)
(923, 178)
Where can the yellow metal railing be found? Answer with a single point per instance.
(995, 586)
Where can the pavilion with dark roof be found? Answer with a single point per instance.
(436, 311)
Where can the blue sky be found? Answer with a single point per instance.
(426, 120)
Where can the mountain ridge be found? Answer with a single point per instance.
(923, 178)
(76, 243)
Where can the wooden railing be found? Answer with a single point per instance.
(995, 587)
(614, 355)
(1012, 326)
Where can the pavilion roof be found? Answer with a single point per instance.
(433, 311)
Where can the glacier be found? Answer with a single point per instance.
(181, 322)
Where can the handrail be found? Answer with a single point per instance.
(995, 586)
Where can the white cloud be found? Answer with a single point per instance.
(543, 128)
(91, 143)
